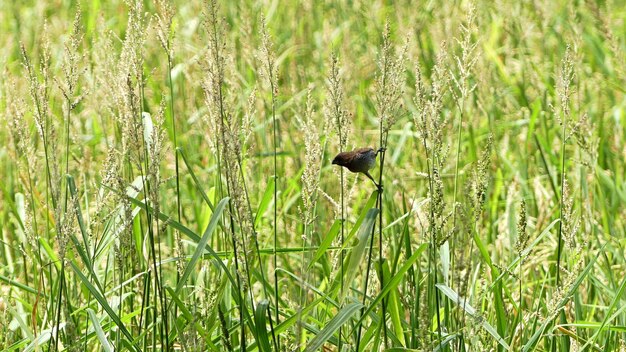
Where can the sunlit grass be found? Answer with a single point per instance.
(167, 180)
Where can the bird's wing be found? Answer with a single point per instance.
(348, 157)
(363, 150)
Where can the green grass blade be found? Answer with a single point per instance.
(394, 309)
(17, 284)
(455, 298)
(530, 345)
(104, 304)
(326, 242)
(106, 346)
(395, 280)
(215, 218)
(346, 313)
(195, 179)
(371, 201)
(265, 201)
(260, 322)
(358, 251)
(81, 222)
(188, 315)
(607, 315)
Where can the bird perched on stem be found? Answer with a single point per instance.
(359, 160)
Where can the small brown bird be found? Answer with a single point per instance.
(359, 160)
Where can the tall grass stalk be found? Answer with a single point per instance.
(337, 116)
(270, 67)
(214, 99)
(39, 94)
(165, 35)
(565, 77)
(147, 163)
(520, 245)
(430, 125)
(310, 184)
(464, 88)
(100, 220)
(389, 107)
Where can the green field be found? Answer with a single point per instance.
(166, 179)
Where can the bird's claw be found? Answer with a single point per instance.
(381, 150)
(380, 188)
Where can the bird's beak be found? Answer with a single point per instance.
(335, 161)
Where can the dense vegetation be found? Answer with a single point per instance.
(166, 179)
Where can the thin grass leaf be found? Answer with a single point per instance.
(446, 341)
(189, 316)
(525, 252)
(81, 223)
(320, 293)
(215, 218)
(195, 179)
(530, 344)
(19, 318)
(607, 315)
(394, 307)
(456, 299)
(501, 317)
(338, 320)
(395, 280)
(598, 325)
(368, 205)
(326, 242)
(293, 319)
(358, 251)
(260, 322)
(17, 284)
(18, 346)
(265, 201)
(104, 304)
(186, 231)
(106, 346)
(42, 339)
